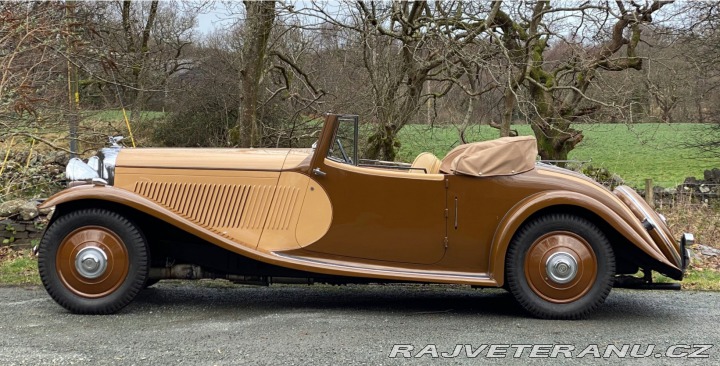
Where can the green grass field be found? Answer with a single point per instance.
(635, 152)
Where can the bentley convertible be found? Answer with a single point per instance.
(488, 215)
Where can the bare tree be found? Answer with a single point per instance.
(136, 47)
(559, 93)
(406, 47)
(33, 40)
(27, 57)
(259, 20)
(702, 34)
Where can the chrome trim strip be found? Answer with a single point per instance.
(383, 271)
(198, 168)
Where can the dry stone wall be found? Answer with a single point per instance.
(22, 223)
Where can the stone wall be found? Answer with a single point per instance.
(21, 223)
(32, 173)
(692, 190)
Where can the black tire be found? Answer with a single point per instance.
(531, 282)
(123, 246)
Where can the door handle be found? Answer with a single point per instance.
(319, 172)
(456, 213)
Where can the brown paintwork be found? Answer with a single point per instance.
(536, 273)
(346, 220)
(661, 233)
(316, 215)
(117, 261)
(543, 200)
(300, 214)
(298, 160)
(204, 159)
(234, 203)
(327, 265)
(412, 220)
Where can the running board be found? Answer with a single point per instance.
(321, 265)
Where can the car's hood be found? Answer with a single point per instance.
(204, 158)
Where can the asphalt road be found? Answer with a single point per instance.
(209, 323)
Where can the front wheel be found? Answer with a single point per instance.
(560, 266)
(93, 261)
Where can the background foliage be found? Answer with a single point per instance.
(631, 86)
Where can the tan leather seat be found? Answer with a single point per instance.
(426, 161)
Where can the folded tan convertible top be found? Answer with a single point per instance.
(503, 156)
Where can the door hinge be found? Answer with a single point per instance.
(447, 213)
(445, 241)
(447, 183)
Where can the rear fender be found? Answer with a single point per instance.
(624, 222)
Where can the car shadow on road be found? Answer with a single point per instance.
(408, 300)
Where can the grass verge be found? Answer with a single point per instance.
(702, 279)
(18, 267)
(698, 279)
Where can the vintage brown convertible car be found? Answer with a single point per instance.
(487, 214)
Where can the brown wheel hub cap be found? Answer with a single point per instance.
(560, 267)
(92, 261)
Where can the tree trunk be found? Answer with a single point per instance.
(73, 87)
(509, 107)
(558, 102)
(383, 144)
(260, 16)
(554, 144)
(701, 115)
(666, 114)
(553, 131)
(137, 96)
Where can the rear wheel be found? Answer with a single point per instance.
(93, 261)
(560, 266)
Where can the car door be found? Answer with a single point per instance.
(380, 214)
(383, 215)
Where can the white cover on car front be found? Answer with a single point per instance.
(503, 156)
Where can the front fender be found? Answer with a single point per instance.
(137, 202)
(614, 213)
